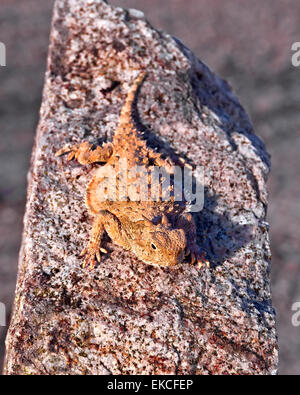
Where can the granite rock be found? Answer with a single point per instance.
(126, 317)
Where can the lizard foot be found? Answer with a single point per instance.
(92, 255)
(198, 257)
(86, 153)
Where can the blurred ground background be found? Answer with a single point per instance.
(247, 42)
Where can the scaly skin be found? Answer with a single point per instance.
(158, 232)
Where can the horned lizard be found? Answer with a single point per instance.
(157, 232)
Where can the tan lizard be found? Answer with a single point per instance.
(157, 232)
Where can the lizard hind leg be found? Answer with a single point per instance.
(85, 154)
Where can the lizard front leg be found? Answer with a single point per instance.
(92, 250)
(104, 220)
(85, 154)
(186, 222)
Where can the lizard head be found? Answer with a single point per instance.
(160, 245)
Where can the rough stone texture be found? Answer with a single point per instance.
(125, 316)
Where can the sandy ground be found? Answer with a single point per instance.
(246, 42)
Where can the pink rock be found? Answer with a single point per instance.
(126, 317)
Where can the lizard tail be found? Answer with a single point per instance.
(126, 121)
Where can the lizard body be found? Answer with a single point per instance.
(158, 232)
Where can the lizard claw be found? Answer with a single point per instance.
(198, 257)
(71, 155)
(92, 256)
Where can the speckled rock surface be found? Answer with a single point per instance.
(127, 317)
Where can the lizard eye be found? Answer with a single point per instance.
(153, 246)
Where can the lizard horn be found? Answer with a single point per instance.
(164, 220)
